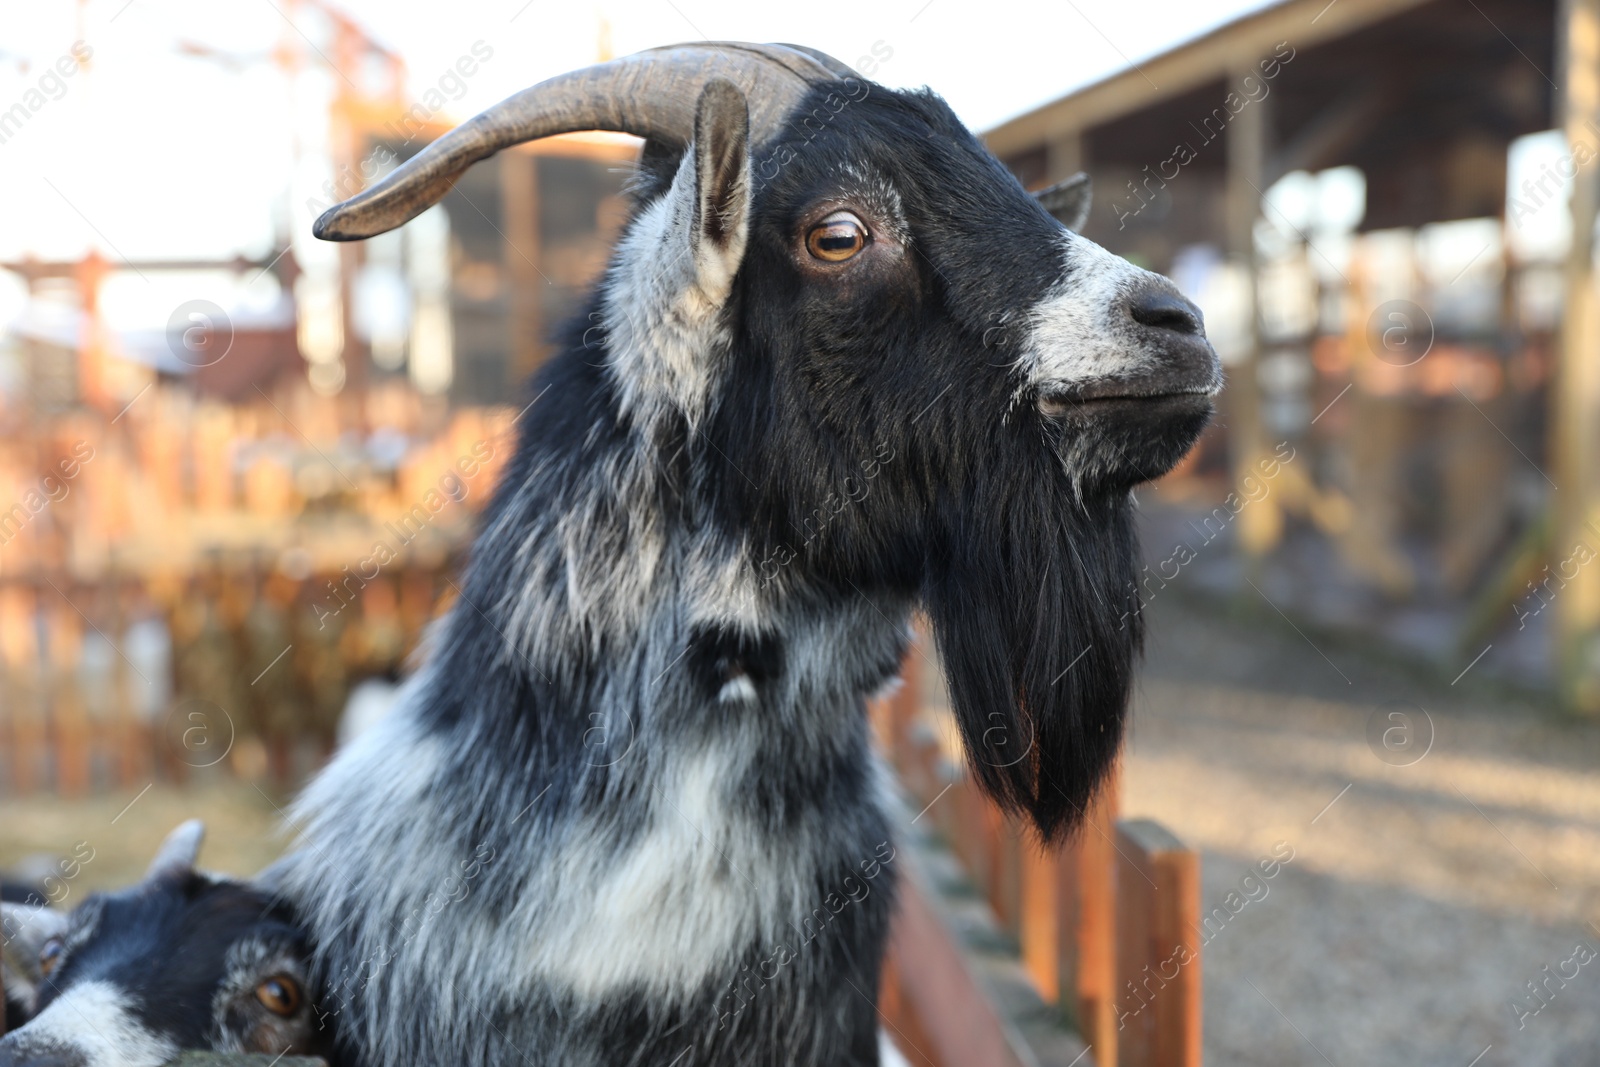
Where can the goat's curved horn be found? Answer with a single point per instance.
(650, 94)
(179, 851)
(834, 67)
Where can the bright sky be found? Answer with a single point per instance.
(155, 153)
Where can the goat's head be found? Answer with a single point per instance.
(183, 960)
(896, 370)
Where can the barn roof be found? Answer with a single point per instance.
(1423, 95)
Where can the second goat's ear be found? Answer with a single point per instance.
(179, 852)
(722, 187)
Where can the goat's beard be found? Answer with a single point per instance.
(1038, 630)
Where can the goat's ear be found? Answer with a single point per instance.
(722, 187)
(23, 932)
(1068, 201)
(179, 851)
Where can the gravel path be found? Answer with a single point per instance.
(1429, 883)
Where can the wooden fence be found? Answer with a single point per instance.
(1105, 930)
(238, 669)
(1098, 959)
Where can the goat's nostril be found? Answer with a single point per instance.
(1162, 309)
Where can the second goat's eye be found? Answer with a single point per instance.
(280, 995)
(50, 956)
(837, 237)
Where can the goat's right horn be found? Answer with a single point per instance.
(650, 94)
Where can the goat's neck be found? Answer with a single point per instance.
(653, 764)
(613, 592)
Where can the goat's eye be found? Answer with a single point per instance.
(837, 237)
(50, 954)
(279, 994)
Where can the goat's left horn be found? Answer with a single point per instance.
(650, 94)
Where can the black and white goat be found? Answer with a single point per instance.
(840, 365)
(184, 960)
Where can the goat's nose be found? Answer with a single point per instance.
(1160, 308)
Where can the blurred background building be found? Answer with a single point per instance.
(211, 530)
(1373, 203)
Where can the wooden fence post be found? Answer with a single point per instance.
(1086, 913)
(1575, 393)
(1106, 926)
(906, 704)
(1005, 866)
(1038, 919)
(935, 986)
(1157, 1010)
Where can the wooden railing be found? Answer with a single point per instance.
(1104, 930)
(1087, 957)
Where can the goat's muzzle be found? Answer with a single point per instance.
(1178, 371)
(1172, 329)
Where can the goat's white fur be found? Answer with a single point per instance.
(1081, 331)
(93, 1019)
